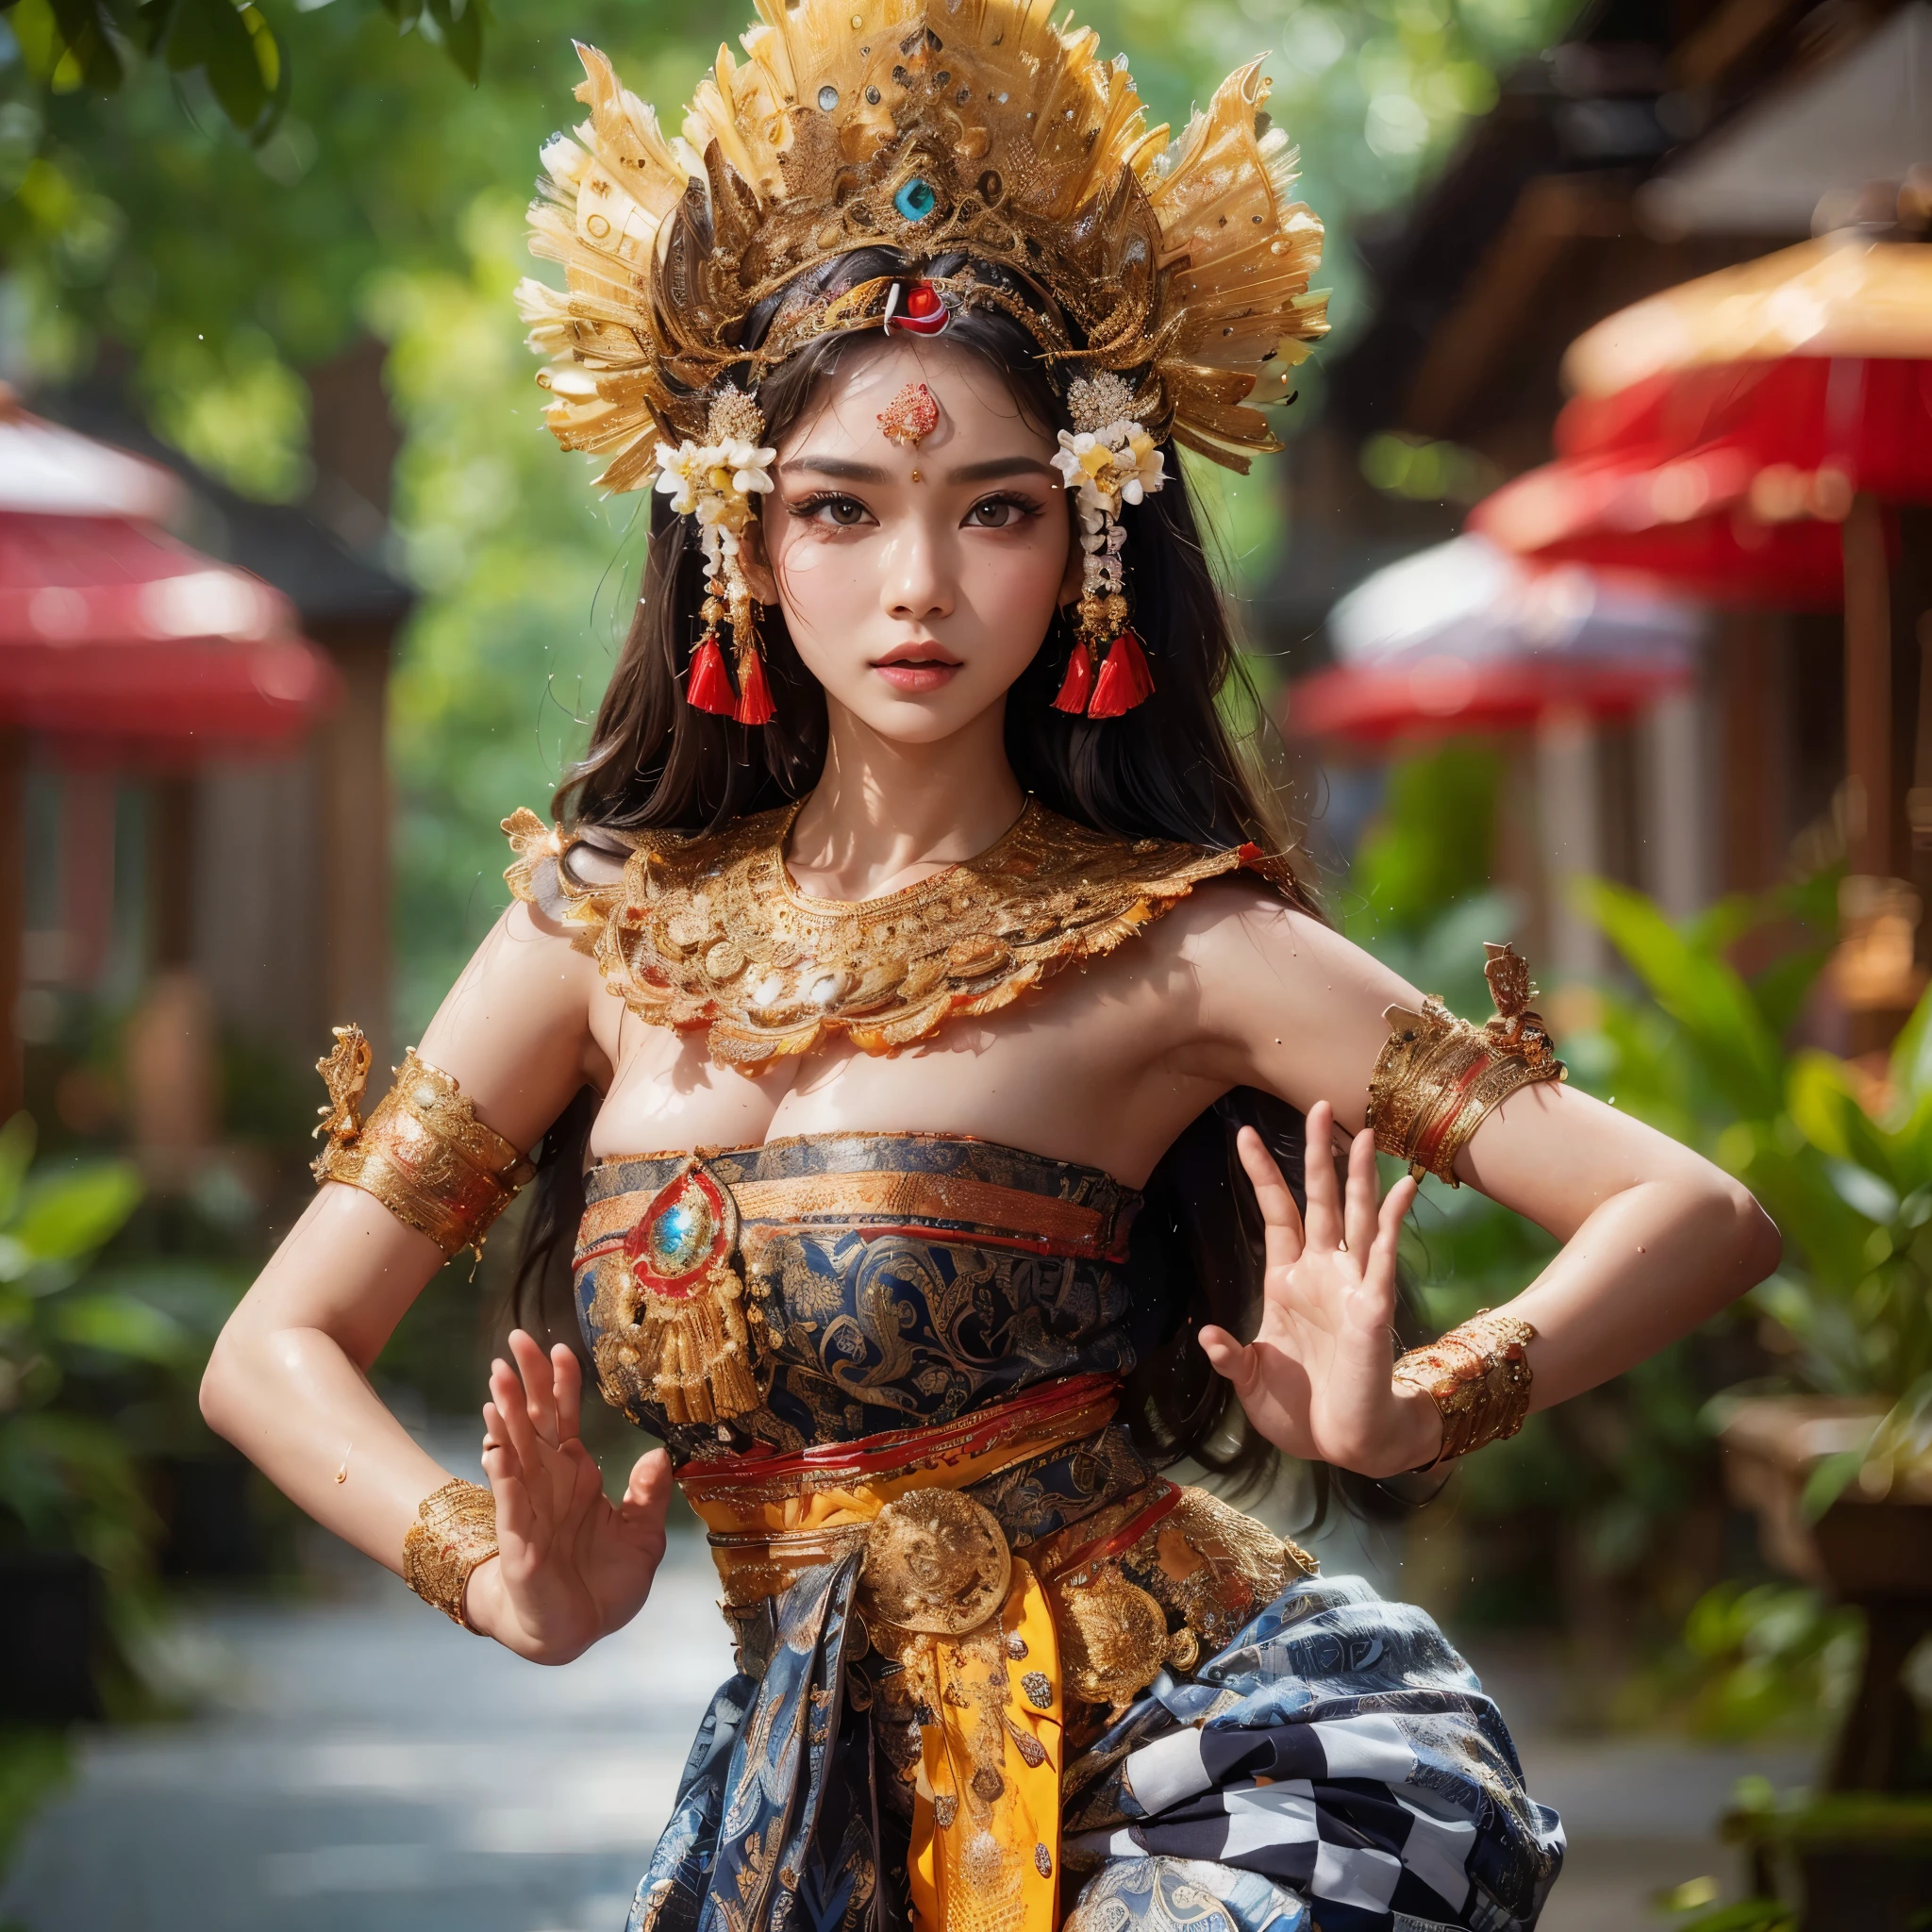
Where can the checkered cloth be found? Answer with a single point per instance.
(1340, 1752)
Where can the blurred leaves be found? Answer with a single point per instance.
(230, 48)
(89, 1357)
(1839, 1153)
(34, 1763)
(1764, 1659)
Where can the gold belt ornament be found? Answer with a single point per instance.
(990, 1642)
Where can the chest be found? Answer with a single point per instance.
(1081, 1069)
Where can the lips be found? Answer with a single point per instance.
(922, 653)
(915, 667)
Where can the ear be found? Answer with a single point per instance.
(755, 562)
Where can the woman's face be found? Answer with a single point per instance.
(917, 582)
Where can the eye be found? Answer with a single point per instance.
(840, 512)
(998, 512)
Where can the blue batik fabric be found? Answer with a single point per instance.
(1340, 1750)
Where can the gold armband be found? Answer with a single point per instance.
(1437, 1078)
(1478, 1376)
(422, 1153)
(454, 1531)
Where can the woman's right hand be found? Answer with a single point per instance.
(570, 1568)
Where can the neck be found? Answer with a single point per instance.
(886, 814)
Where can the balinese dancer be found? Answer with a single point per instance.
(912, 1011)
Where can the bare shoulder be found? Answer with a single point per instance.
(1285, 1001)
(516, 1028)
(1237, 933)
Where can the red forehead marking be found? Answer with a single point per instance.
(911, 416)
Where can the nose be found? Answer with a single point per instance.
(917, 586)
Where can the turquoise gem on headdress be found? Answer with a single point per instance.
(915, 200)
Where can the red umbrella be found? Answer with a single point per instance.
(1795, 392)
(1834, 424)
(1372, 704)
(1690, 518)
(1462, 638)
(109, 629)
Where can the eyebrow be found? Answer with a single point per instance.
(997, 467)
(836, 466)
(843, 471)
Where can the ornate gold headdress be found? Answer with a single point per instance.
(976, 128)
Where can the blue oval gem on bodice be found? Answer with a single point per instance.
(680, 1235)
(915, 200)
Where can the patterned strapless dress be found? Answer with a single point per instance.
(994, 1671)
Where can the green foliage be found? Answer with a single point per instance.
(1768, 1659)
(34, 1764)
(527, 581)
(97, 1361)
(1746, 1915)
(65, 1479)
(1841, 1158)
(1425, 857)
(226, 45)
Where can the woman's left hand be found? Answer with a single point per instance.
(1316, 1379)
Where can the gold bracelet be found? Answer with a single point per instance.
(1437, 1078)
(454, 1531)
(422, 1153)
(1478, 1376)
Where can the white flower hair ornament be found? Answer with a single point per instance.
(1108, 458)
(719, 482)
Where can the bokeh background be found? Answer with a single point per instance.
(268, 251)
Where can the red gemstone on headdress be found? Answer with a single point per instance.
(920, 308)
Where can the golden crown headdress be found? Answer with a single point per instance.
(979, 128)
(1167, 281)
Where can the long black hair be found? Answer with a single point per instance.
(1169, 769)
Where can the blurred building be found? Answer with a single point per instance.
(260, 885)
(1657, 144)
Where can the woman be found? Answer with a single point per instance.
(900, 734)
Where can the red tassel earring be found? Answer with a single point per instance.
(1124, 679)
(1077, 686)
(754, 706)
(708, 688)
(1108, 460)
(720, 484)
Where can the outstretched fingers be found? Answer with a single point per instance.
(1318, 1171)
(1358, 1206)
(567, 1392)
(514, 1426)
(506, 1471)
(538, 1391)
(1384, 1255)
(1280, 1217)
(647, 1495)
(1240, 1362)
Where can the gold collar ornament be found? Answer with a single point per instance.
(979, 128)
(709, 931)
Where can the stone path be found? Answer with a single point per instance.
(363, 1766)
